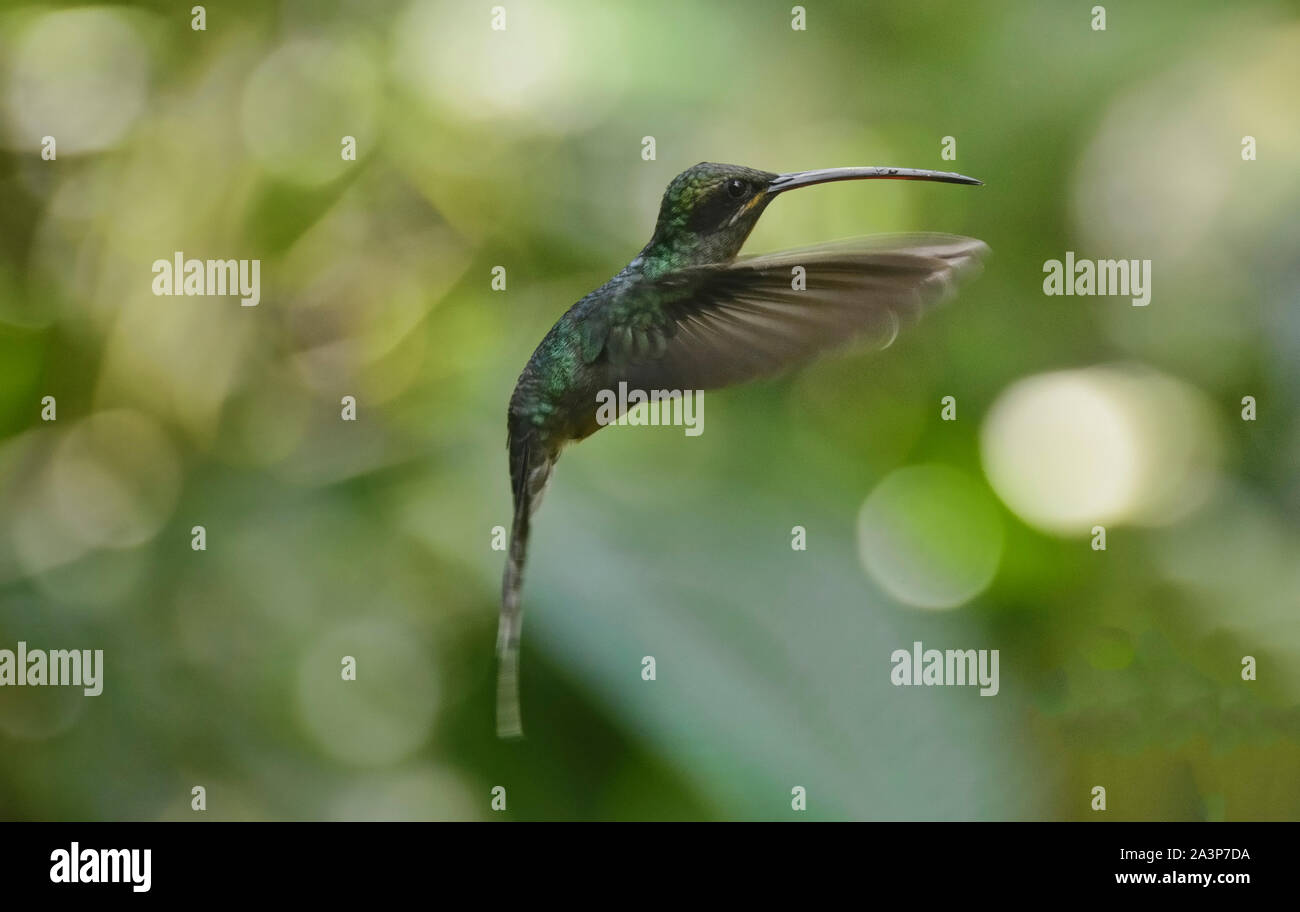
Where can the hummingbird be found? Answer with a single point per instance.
(688, 314)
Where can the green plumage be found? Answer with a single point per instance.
(686, 314)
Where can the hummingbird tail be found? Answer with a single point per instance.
(530, 469)
(509, 623)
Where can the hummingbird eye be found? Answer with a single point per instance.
(736, 188)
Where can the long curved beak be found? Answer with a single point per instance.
(795, 179)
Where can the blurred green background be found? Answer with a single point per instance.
(522, 148)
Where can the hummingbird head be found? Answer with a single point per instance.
(707, 213)
(709, 210)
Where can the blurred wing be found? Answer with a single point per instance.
(710, 326)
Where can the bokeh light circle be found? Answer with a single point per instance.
(78, 75)
(1060, 452)
(115, 478)
(301, 101)
(930, 536)
(1069, 449)
(383, 715)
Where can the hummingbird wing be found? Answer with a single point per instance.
(704, 327)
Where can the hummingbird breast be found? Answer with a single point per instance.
(555, 397)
